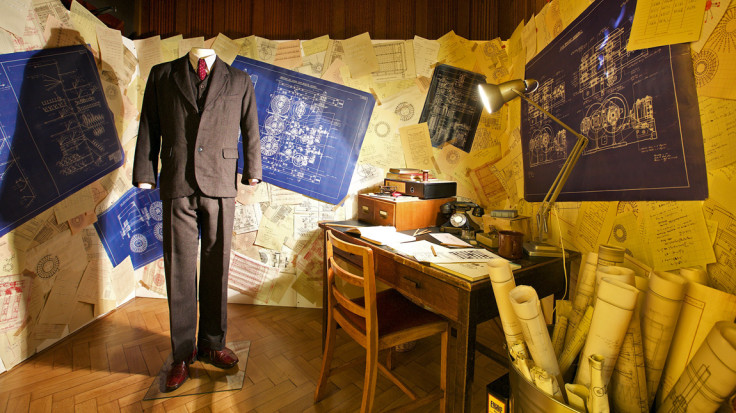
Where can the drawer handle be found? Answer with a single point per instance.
(365, 209)
(383, 214)
(415, 284)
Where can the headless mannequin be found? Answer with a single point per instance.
(197, 53)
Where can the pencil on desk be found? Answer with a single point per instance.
(433, 251)
(447, 244)
(422, 232)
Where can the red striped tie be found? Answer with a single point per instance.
(202, 69)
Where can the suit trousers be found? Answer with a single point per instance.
(186, 219)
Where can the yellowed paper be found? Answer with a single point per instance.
(85, 22)
(594, 224)
(111, 49)
(577, 395)
(456, 51)
(575, 344)
(382, 142)
(395, 61)
(714, 11)
(225, 48)
(720, 274)
(63, 254)
(502, 281)
(13, 15)
(185, 45)
(714, 65)
(77, 203)
(57, 34)
(692, 245)
(659, 23)
(170, 48)
(571, 9)
(332, 73)
(584, 292)
(614, 308)
(417, 146)
(288, 54)
(425, 55)
(149, 54)
(718, 122)
(359, 55)
(543, 36)
(276, 226)
(546, 383)
(701, 309)
(316, 45)
(265, 48)
(710, 377)
(407, 105)
(529, 38)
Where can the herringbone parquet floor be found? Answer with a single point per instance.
(109, 365)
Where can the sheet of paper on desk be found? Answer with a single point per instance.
(469, 270)
(450, 239)
(463, 255)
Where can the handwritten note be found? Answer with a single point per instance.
(663, 22)
(677, 235)
(417, 146)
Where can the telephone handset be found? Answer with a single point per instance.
(459, 222)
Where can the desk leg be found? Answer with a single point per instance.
(464, 365)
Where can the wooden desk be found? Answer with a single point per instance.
(464, 303)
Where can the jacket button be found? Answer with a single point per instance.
(200, 149)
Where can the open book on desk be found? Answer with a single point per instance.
(381, 235)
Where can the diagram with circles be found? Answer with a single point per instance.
(133, 227)
(57, 134)
(311, 130)
(633, 106)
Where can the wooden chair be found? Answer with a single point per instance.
(377, 322)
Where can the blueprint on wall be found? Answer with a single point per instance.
(57, 133)
(311, 130)
(453, 108)
(639, 109)
(133, 226)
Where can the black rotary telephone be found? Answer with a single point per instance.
(459, 221)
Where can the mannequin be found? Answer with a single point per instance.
(191, 118)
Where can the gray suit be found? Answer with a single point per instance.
(196, 137)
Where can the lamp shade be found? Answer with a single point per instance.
(495, 96)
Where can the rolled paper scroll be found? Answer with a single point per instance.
(546, 383)
(709, 377)
(611, 316)
(525, 303)
(577, 396)
(695, 274)
(584, 293)
(576, 342)
(502, 281)
(598, 393)
(659, 318)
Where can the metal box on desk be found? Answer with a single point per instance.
(409, 213)
(424, 190)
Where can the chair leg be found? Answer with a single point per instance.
(371, 376)
(445, 402)
(326, 358)
(390, 358)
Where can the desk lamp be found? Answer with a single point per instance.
(494, 97)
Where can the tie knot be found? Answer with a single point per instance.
(202, 69)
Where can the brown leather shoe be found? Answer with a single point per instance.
(223, 359)
(178, 374)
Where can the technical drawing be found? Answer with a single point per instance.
(452, 109)
(723, 37)
(629, 104)
(311, 130)
(57, 134)
(705, 66)
(133, 227)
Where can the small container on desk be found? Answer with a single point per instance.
(404, 213)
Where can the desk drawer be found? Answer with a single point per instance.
(428, 291)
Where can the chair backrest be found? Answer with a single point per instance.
(367, 281)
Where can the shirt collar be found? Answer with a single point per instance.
(209, 60)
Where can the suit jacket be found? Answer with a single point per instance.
(197, 150)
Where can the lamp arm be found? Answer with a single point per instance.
(564, 174)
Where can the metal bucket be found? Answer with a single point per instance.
(527, 398)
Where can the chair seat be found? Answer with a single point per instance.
(395, 313)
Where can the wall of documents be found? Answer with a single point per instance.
(69, 263)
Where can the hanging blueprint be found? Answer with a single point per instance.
(133, 227)
(639, 109)
(453, 108)
(57, 133)
(311, 130)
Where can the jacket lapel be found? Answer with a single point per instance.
(181, 78)
(219, 79)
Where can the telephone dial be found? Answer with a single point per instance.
(459, 221)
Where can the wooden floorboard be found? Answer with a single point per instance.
(109, 365)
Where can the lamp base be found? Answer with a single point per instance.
(542, 249)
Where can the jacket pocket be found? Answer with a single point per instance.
(230, 153)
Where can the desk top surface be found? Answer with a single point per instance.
(528, 264)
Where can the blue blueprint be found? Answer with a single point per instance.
(311, 130)
(133, 226)
(57, 133)
(639, 109)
